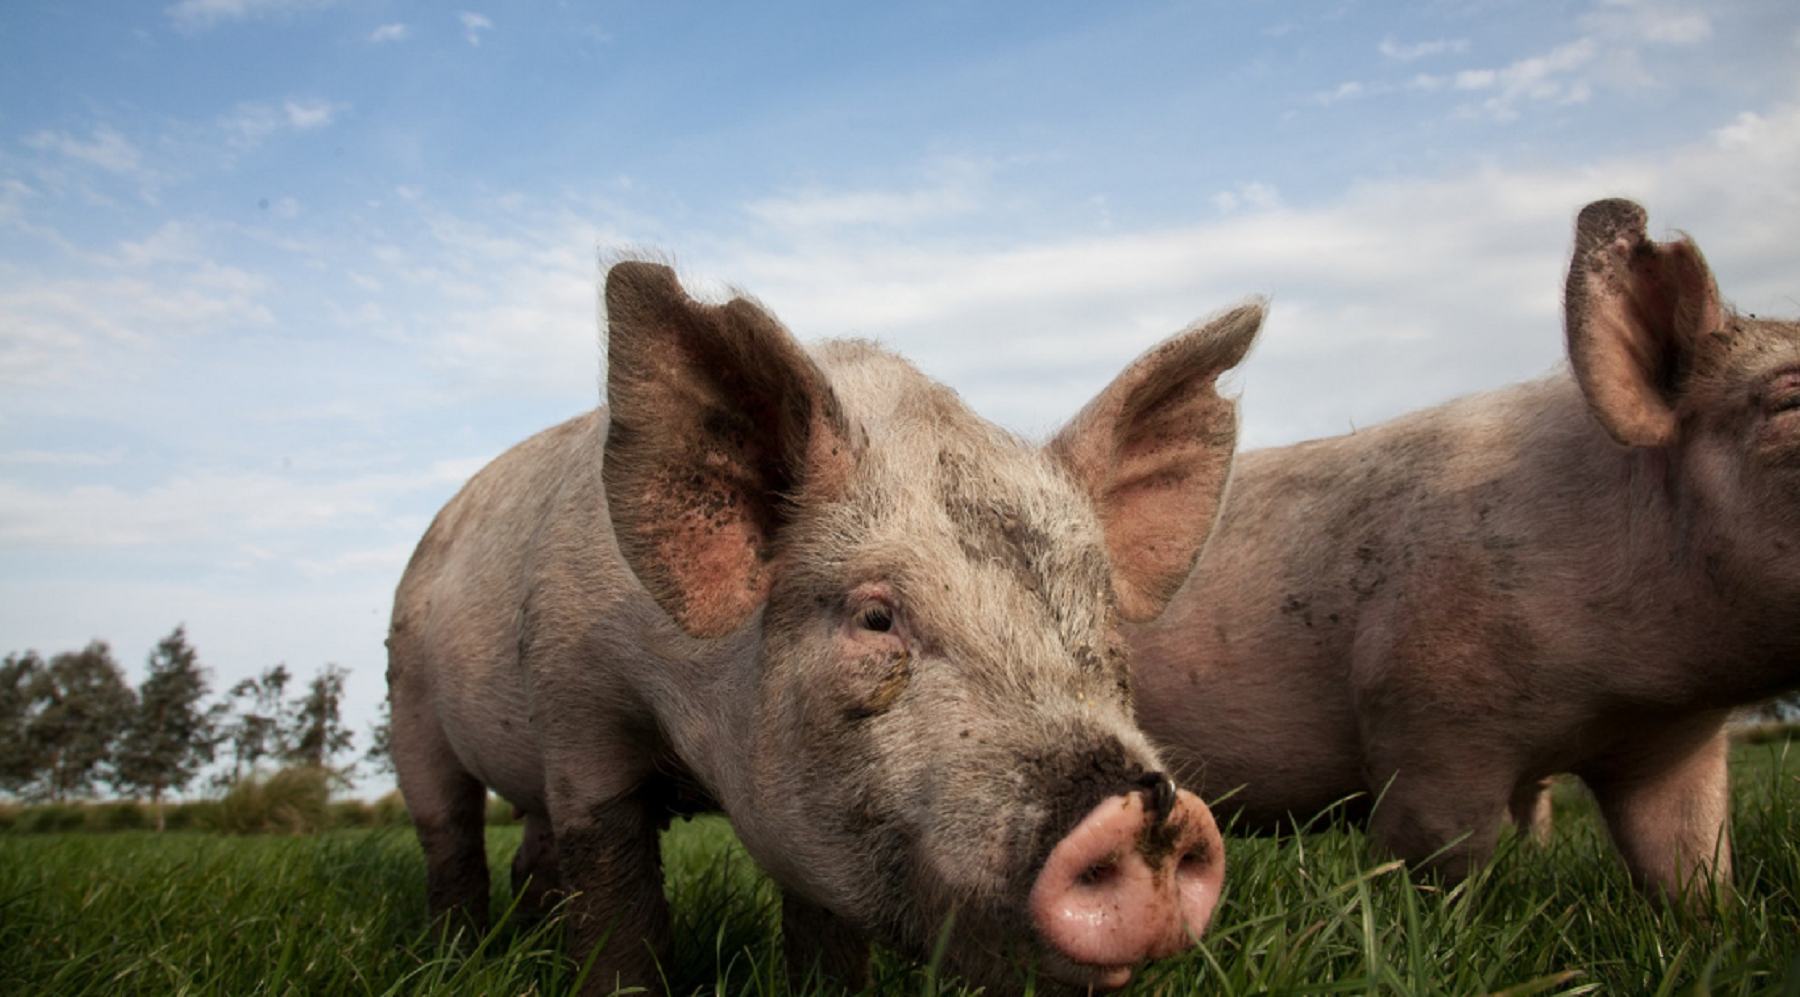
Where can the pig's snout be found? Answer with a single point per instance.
(1137, 879)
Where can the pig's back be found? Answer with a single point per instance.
(1247, 675)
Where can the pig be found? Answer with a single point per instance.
(1581, 574)
(809, 588)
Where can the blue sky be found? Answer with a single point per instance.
(276, 276)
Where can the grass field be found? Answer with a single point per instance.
(195, 913)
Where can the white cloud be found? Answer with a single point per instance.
(310, 114)
(390, 33)
(250, 124)
(108, 149)
(194, 15)
(53, 330)
(1606, 54)
(473, 25)
(1399, 294)
(1419, 50)
(957, 191)
(210, 507)
(1539, 78)
(1345, 91)
(1257, 195)
(1643, 20)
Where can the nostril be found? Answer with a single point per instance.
(1099, 874)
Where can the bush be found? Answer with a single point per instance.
(390, 811)
(50, 818)
(291, 801)
(192, 815)
(119, 815)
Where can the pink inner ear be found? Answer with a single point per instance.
(1636, 312)
(1619, 381)
(1153, 449)
(714, 562)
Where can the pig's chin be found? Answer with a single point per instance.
(1084, 976)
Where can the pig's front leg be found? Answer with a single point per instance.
(818, 942)
(1440, 816)
(608, 855)
(1667, 803)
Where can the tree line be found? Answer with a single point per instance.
(71, 724)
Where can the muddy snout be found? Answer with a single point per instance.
(1138, 878)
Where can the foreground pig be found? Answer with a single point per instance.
(809, 588)
(1582, 574)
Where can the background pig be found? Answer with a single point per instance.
(1582, 574)
(811, 589)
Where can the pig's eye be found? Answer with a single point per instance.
(876, 617)
(1783, 395)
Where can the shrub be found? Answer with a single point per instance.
(50, 818)
(118, 815)
(290, 801)
(390, 810)
(192, 815)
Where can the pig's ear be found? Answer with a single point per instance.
(1635, 311)
(1153, 451)
(720, 426)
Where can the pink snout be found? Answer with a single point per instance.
(1137, 879)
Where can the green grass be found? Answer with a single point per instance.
(342, 912)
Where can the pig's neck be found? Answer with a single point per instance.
(704, 709)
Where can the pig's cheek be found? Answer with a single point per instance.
(872, 673)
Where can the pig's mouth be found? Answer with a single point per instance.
(1086, 976)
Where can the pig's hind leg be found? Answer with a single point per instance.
(1666, 800)
(449, 812)
(535, 878)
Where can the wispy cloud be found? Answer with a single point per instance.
(194, 15)
(249, 125)
(1423, 288)
(1419, 50)
(390, 33)
(53, 330)
(235, 508)
(1257, 195)
(955, 192)
(473, 25)
(1605, 54)
(107, 149)
(1553, 78)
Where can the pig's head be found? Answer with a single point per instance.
(1716, 395)
(942, 730)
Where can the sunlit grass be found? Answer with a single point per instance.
(343, 912)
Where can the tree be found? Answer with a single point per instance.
(80, 704)
(381, 740)
(318, 734)
(263, 720)
(170, 737)
(21, 757)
